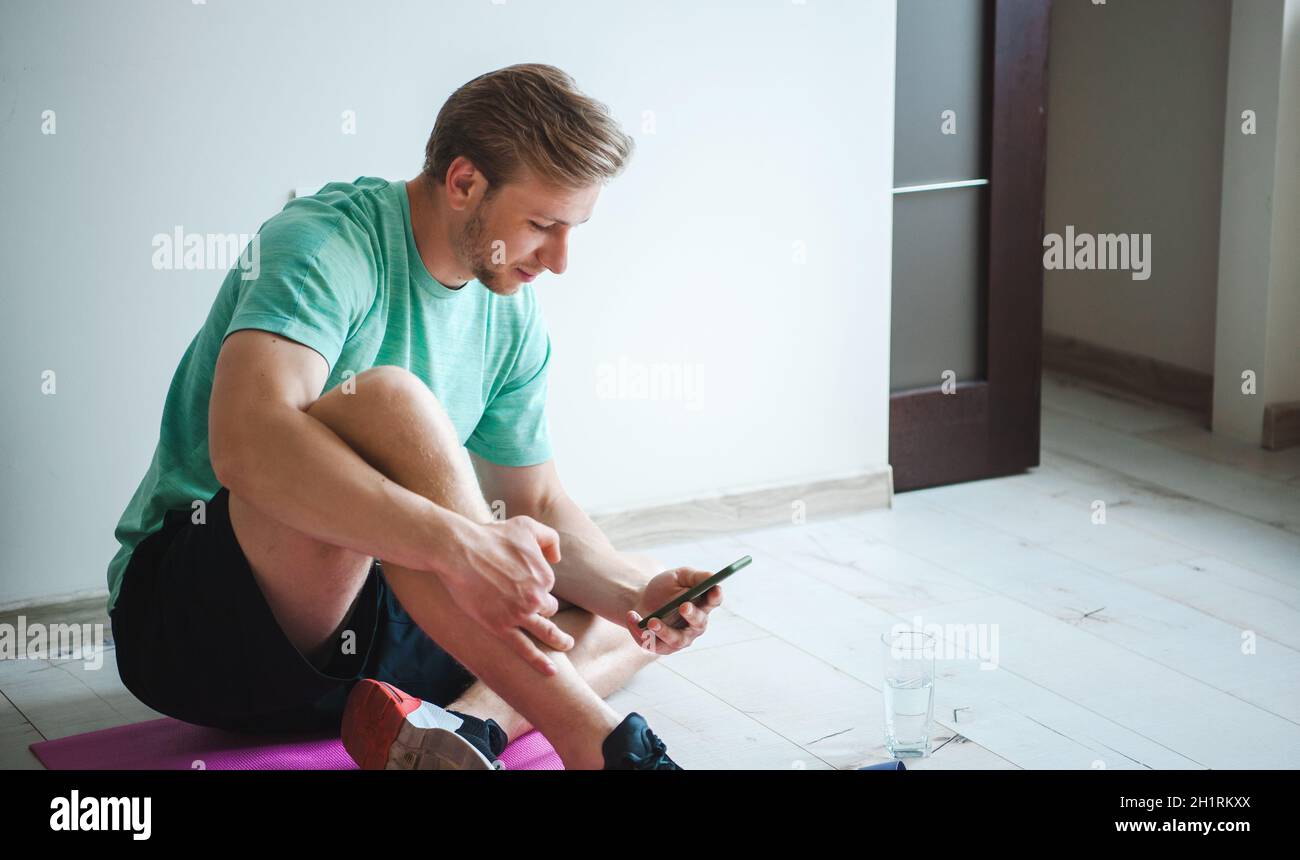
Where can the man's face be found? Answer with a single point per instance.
(521, 230)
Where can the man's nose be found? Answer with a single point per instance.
(557, 253)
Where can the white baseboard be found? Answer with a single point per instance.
(748, 509)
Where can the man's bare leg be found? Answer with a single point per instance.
(395, 423)
(604, 654)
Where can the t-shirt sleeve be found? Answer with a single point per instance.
(309, 281)
(513, 430)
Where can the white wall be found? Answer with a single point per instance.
(773, 125)
(1259, 277)
(1135, 145)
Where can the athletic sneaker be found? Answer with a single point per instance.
(632, 746)
(386, 729)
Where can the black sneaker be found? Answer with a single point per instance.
(489, 737)
(632, 746)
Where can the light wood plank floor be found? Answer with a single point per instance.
(1166, 637)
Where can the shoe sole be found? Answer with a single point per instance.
(434, 749)
(378, 736)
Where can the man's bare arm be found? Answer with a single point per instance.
(591, 574)
(265, 447)
(620, 587)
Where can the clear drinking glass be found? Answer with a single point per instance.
(909, 692)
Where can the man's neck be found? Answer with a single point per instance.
(429, 226)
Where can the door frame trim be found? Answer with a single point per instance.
(990, 428)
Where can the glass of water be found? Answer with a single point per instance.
(909, 692)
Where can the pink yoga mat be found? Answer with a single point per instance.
(169, 744)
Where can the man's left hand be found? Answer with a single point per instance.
(662, 638)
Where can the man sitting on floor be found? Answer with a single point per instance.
(311, 545)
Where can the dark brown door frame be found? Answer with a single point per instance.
(990, 428)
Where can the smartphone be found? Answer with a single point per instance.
(668, 613)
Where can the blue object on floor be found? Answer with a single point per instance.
(885, 765)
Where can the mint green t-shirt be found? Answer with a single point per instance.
(340, 273)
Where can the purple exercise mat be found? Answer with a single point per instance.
(169, 744)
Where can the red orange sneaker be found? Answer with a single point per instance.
(386, 729)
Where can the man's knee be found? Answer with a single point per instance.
(388, 381)
(377, 386)
(387, 396)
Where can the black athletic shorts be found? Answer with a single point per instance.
(197, 641)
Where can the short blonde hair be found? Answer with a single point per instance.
(530, 115)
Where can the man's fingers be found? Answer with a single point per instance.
(547, 631)
(644, 637)
(688, 577)
(530, 652)
(548, 539)
(694, 615)
(550, 605)
(670, 636)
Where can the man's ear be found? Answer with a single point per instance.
(463, 181)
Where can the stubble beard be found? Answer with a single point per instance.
(474, 246)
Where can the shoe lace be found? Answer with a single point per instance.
(656, 759)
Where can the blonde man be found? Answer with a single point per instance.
(312, 547)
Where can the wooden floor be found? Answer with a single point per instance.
(1167, 637)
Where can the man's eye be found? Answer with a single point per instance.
(537, 226)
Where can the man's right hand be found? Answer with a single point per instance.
(499, 576)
